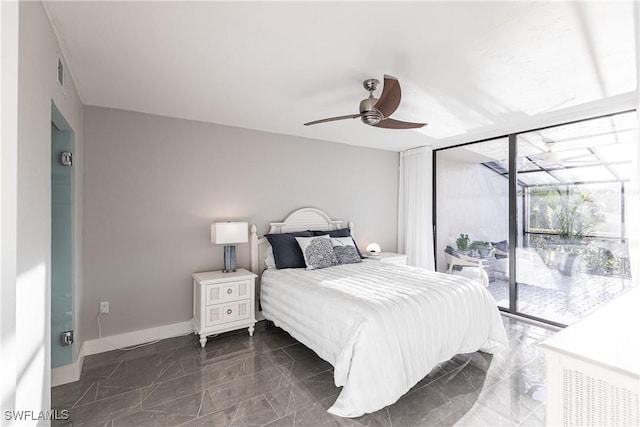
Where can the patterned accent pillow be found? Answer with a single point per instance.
(317, 251)
(345, 250)
(341, 232)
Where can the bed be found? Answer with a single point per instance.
(383, 327)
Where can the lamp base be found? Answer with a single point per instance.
(229, 259)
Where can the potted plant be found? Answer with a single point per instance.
(481, 247)
(462, 243)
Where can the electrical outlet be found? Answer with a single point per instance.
(104, 307)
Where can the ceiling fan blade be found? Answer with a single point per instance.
(333, 119)
(397, 124)
(390, 97)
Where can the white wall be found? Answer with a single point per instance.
(472, 200)
(8, 201)
(154, 184)
(37, 86)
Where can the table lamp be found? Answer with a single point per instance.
(226, 233)
(373, 249)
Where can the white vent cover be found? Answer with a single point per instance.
(60, 72)
(590, 401)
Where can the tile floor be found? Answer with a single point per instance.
(562, 299)
(271, 379)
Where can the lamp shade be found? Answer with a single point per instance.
(224, 233)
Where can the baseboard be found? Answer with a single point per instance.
(100, 345)
(68, 373)
(531, 321)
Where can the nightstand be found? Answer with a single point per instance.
(223, 302)
(390, 258)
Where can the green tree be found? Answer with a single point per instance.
(574, 215)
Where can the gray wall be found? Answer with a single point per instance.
(154, 185)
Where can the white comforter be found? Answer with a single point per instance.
(383, 327)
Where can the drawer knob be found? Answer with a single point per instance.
(229, 311)
(229, 290)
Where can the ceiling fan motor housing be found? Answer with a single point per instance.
(370, 115)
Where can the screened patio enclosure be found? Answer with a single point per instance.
(544, 212)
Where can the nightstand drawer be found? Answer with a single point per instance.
(231, 291)
(227, 312)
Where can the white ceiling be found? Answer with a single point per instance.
(470, 69)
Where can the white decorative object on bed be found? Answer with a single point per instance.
(383, 327)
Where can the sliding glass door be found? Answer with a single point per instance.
(472, 215)
(558, 212)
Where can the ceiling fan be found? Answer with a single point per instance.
(550, 158)
(376, 112)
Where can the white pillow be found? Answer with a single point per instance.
(345, 250)
(270, 261)
(317, 251)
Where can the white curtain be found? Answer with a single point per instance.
(415, 225)
(632, 215)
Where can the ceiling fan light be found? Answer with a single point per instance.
(549, 158)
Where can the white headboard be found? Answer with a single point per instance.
(300, 220)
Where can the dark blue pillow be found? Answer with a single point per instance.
(342, 232)
(452, 252)
(286, 250)
(503, 246)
